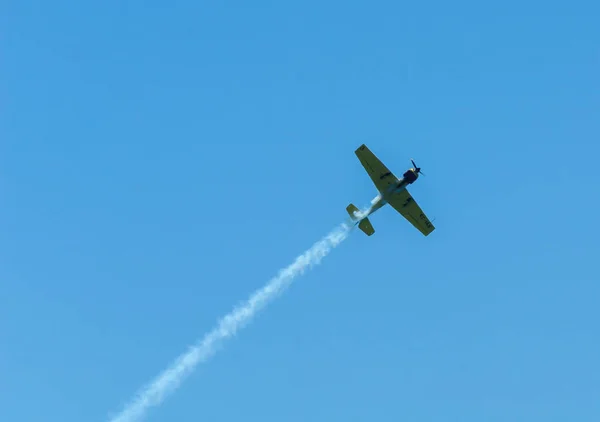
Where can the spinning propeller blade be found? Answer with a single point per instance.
(417, 169)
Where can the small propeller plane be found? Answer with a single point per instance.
(391, 191)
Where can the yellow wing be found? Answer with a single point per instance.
(404, 203)
(378, 172)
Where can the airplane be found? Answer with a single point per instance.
(391, 191)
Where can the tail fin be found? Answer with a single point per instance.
(365, 224)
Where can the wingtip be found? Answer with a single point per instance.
(360, 148)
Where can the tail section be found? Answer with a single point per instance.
(366, 227)
(365, 224)
(351, 210)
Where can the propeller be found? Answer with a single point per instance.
(417, 169)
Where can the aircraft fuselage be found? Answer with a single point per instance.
(380, 200)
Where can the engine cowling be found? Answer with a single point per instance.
(410, 175)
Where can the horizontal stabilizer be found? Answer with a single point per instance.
(351, 210)
(365, 224)
(366, 227)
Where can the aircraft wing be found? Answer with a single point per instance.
(404, 203)
(378, 172)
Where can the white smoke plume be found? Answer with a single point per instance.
(360, 214)
(169, 380)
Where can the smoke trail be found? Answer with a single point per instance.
(156, 391)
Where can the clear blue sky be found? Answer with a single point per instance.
(161, 162)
